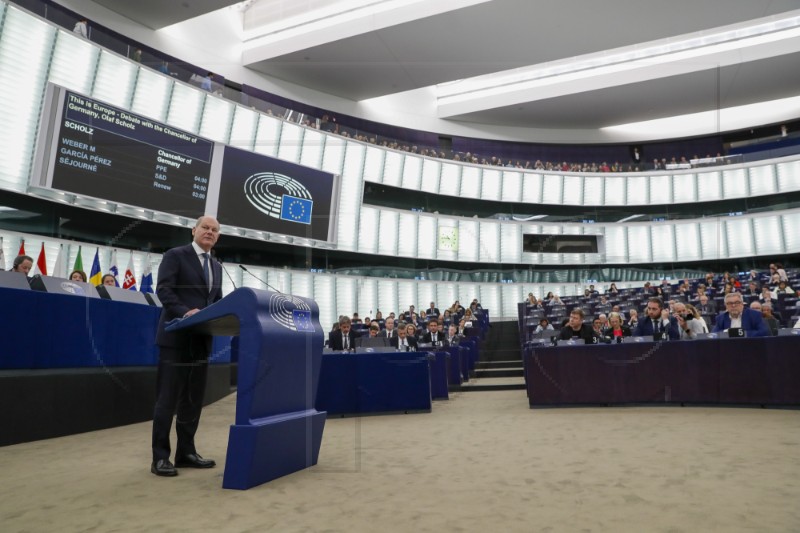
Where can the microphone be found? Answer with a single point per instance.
(259, 279)
(226, 272)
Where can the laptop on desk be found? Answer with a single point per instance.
(372, 342)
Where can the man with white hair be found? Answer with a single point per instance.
(737, 316)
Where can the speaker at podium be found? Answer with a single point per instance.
(54, 285)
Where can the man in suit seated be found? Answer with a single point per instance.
(403, 342)
(345, 338)
(453, 338)
(432, 336)
(576, 329)
(736, 316)
(432, 311)
(657, 320)
(389, 332)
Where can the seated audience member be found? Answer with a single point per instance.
(374, 329)
(368, 323)
(783, 288)
(657, 321)
(736, 316)
(432, 336)
(592, 290)
(453, 338)
(378, 315)
(345, 338)
(389, 330)
(603, 318)
(411, 331)
(777, 269)
(532, 300)
(404, 342)
(555, 300)
(456, 308)
(752, 289)
(355, 319)
(407, 315)
(767, 295)
(597, 327)
(586, 293)
(576, 329)
(766, 314)
(548, 298)
(616, 329)
(689, 323)
(705, 307)
(109, 280)
(433, 311)
(462, 327)
(447, 317)
(647, 290)
(22, 263)
(612, 289)
(475, 305)
(544, 325)
(78, 275)
(633, 321)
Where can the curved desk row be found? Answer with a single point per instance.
(758, 371)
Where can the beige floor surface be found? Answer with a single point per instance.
(482, 461)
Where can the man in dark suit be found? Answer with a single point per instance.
(432, 336)
(389, 330)
(453, 338)
(404, 342)
(657, 321)
(345, 338)
(432, 311)
(188, 281)
(736, 316)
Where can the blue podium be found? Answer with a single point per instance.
(278, 341)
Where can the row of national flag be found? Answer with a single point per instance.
(95, 276)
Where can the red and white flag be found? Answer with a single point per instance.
(21, 247)
(41, 263)
(130, 278)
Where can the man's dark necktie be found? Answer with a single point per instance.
(206, 273)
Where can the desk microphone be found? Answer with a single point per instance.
(226, 272)
(259, 279)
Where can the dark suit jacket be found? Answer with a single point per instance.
(752, 323)
(645, 328)
(385, 333)
(181, 287)
(336, 340)
(434, 311)
(426, 338)
(411, 341)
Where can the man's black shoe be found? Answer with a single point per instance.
(193, 460)
(163, 467)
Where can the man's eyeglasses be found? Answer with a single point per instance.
(733, 303)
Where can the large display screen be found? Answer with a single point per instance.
(105, 152)
(267, 194)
